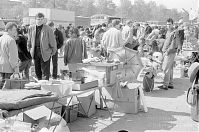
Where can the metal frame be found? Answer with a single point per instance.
(75, 94)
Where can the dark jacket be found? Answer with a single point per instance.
(181, 35)
(23, 53)
(59, 38)
(74, 51)
(148, 30)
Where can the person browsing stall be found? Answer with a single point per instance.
(112, 38)
(8, 53)
(75, 48)
(24, 55)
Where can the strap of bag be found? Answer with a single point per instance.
(83, 50)
(189, 90)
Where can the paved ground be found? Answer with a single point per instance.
(167, 111)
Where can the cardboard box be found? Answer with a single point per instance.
(87, 106)
(118, 74)
(60, 87)
(86, 85)
(129, 102)
(71, 112)
(123, 106)
(20, 126)
(40, 115)
(107, 68)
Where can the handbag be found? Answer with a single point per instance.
(14, 83)
(191, 94)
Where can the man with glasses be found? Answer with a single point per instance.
(42, 45)
(170, 48)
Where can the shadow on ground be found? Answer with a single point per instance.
(181, 85)
(154, 119)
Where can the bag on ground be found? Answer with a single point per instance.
(148, 82)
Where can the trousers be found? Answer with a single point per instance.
(167, 66)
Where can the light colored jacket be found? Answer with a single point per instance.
(125, 32)
(8, 54)
(112, 39)
(48, 43)
(172, 42)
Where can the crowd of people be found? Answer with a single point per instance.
(36, 45)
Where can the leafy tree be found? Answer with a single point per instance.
(74, 5)
(140, 11)
(87, 8)
(106, 7)
(61, 4)
(124, 10)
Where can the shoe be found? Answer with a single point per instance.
(163, 87)
(54, 78)
(171, 87)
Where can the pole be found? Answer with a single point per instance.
(54, 3)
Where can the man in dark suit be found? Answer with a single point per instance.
(42, 45)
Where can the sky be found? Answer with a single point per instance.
(179, 4)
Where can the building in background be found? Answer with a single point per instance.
(82, 21)
(103, 18)
(62, 17)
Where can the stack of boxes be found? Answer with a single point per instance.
(108, 70)
(130, 102)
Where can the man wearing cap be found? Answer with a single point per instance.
(42, 45)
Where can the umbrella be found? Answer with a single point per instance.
(131, 60)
